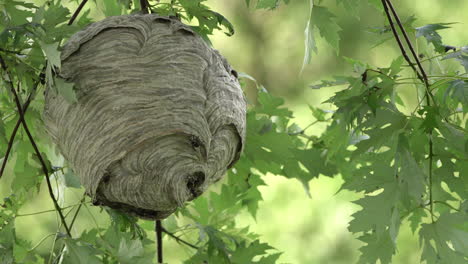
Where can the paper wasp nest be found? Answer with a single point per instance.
(160, 115)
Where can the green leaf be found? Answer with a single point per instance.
(7, 241)
(458, 91)
(377, 211)
(326, 83)
(267, 4)
(52, 54)
(112, 8)
(351, 6)
(129, 249)
(322, 19)
(26, 175)
(270, 105)
(17, 12)
(65, 89)
(79, 253)
(224, 22)
(313, 161)
(379, 247)
(411, 176)
(429, 32)
(445, 240)
(71, 180)
(246, 253)
(377, 4)
(460, 55)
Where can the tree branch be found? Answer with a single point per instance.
(30, 97)
(413, 52)
(34, 145)
(144, 6)
(15, 129)
(397, 38)
(422, 76)
(158, 230)
(78, 10)
(178, 239)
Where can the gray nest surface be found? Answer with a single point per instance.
(160, 115)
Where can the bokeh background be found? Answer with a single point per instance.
(269, 46)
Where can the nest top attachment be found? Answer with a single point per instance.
(159, 117)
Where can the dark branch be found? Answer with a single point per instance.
(15, 129)
(144, 6)
(78, 10)
(423, 77)
(400, 44)
(413, 52)
(30, 97)
(178, 239)
(22, 112)
(34, 145)
(158, 230)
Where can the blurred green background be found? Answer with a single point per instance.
(269, 45)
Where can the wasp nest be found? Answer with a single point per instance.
(160, 115)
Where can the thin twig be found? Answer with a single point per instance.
(22, 110)
(422, 76)
(413, 52)
(78, 10)
(15, 129)
(448, 205)
(77, 211)
(400, 44)
(11, 51)
(30, 97)
(158, 230)
(34, 145)
(178, 239)
(47, 211)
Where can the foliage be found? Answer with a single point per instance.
(408, 164)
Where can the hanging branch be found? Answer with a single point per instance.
(30, 97)
(34, 145)
(78, 10)
(144, 6)
(413, 52)
(178, 239)
(400, 44)
(158, 229)
(15, 130)
(22, 112)
(421, 75)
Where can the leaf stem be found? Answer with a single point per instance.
(178, 239)
(41, 241)
(448, 205)
(46, 211)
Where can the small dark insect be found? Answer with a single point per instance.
(195, 141)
